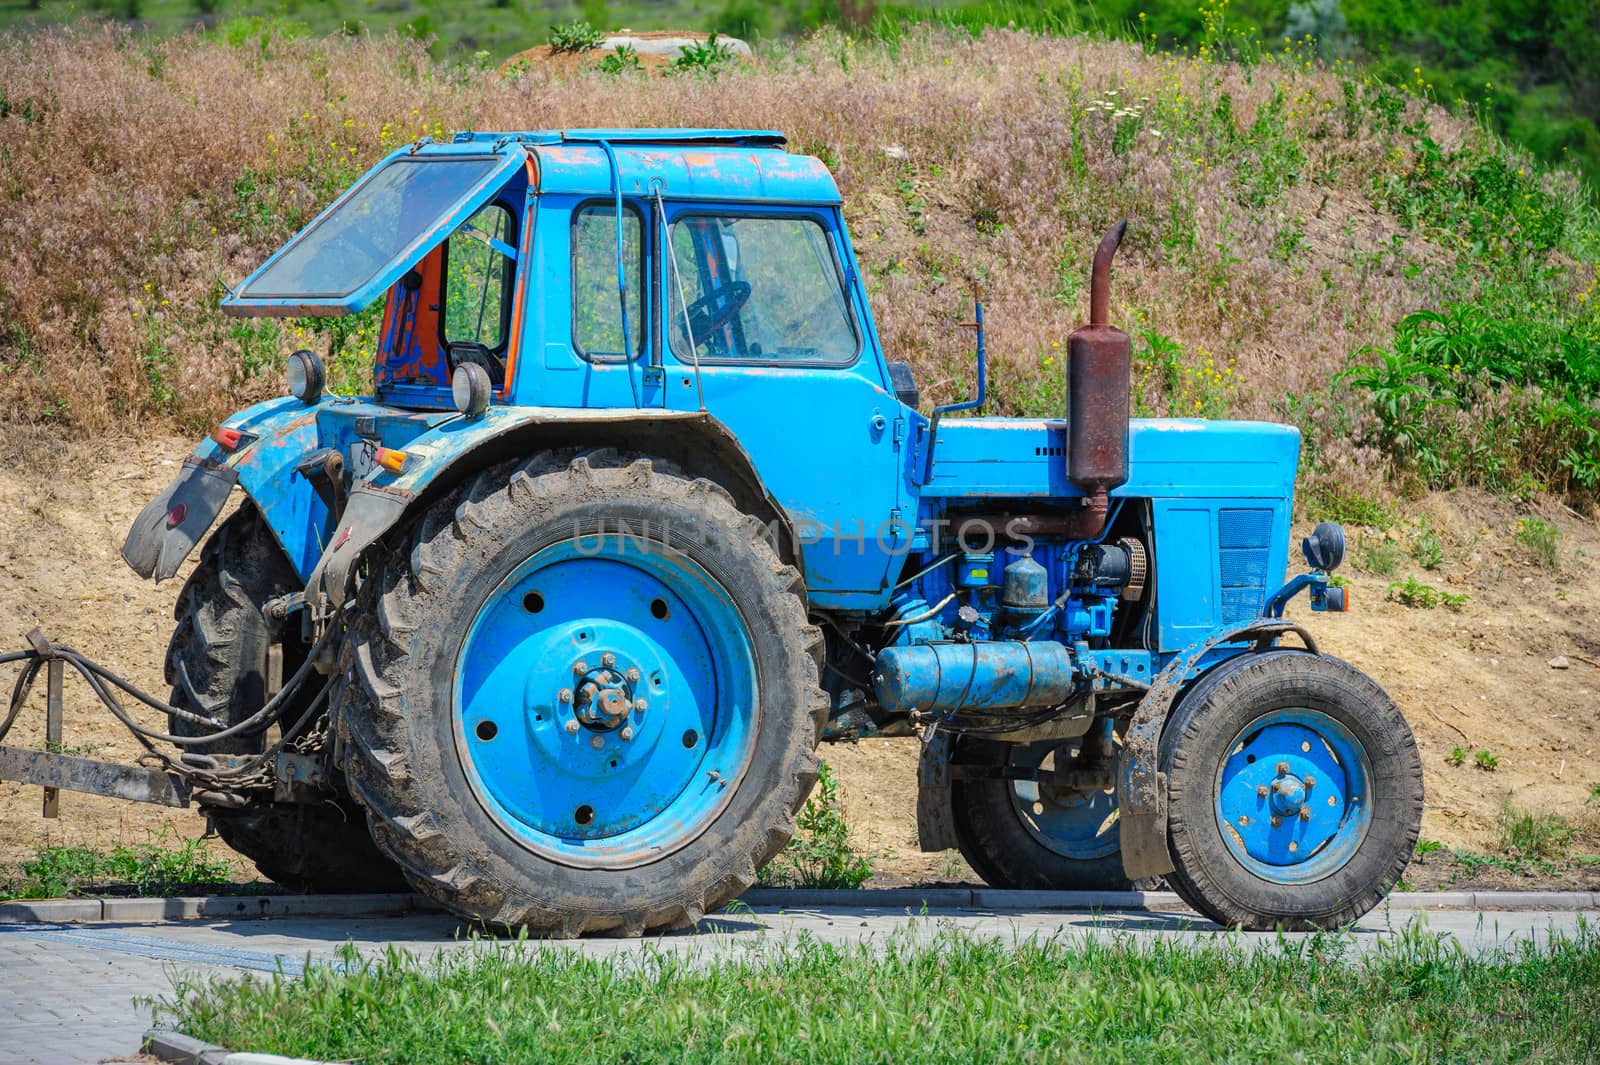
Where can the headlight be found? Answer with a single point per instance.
(306, 376)
(471, 387)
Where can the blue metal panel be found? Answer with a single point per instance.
(1018, 457)
(285, 432)
(688, 172)
(1244, 540)
(748, 138)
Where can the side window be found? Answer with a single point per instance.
(478, 278)
(758, 290)
(597, 332)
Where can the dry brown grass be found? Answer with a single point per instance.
(136, 177)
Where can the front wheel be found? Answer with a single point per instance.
(1294, 792)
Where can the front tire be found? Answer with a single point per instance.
(1294, 792)
(583, 698)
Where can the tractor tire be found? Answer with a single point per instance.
(216, 663)
(496, 726)
(1017, 834)
(1294, 792)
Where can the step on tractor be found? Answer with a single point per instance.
(550, 625)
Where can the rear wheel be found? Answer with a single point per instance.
(1294, 792)
(584, 698)
(216, 663)
(1034, 834)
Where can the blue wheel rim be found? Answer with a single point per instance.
(1278, 826)
(1079, 825)
(638, 765)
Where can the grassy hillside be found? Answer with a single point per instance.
(1304, 244)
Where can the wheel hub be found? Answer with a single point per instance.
(603, 698)
(1291, 796)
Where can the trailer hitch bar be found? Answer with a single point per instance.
(160, 778)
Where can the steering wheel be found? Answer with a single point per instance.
(705, 315)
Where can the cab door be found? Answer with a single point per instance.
(763, 320)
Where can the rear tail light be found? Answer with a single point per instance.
(228, 438)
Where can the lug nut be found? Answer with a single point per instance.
(1311, 781)
(632, 675)
(580, 667)
(1305, 813)
(565, 695)
(572, 726)
(597, 743)
(640, 706)
(1276, 820)
(626, 733)
(608, 660)
(1283, 769)
(1261, 791)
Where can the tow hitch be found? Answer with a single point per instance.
(291, 769)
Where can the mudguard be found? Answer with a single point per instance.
(1141, 788)
(275, 434)
(169, 526)
(378, 502)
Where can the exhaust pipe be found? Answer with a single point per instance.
(1099, 378)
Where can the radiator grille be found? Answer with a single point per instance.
(1244, 539)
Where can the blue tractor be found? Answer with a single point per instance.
(639, 511)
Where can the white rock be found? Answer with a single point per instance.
(1559, 662)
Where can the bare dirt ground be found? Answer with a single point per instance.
(1479, 678)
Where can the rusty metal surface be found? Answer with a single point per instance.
(1099, 369)
(70, 773)
(54, 672)
(1141, 789)
(936, 827)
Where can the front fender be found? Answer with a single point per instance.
(438, 458)
(277, 434)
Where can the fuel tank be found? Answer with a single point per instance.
(983, 675)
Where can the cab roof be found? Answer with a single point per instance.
(745, 165)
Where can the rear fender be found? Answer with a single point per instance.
(437, 460)
(277, 434)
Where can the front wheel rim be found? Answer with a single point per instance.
(605, 701)
(1293, 796)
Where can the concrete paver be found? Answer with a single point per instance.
(69, 993)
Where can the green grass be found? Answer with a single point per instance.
(1534, 836)
(950, 998)
(143, 868)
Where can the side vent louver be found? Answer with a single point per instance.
(1243, 538)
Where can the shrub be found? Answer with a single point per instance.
(820, 855)
(1541, 540)
(574, 36)
(623, 59)
(703, 57)
(1413, 593)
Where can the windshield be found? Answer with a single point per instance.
(371, 227)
